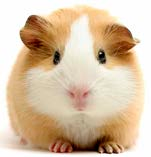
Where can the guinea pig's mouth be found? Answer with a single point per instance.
(79, 106)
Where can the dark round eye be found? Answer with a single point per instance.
(101, 57)
(56, 58)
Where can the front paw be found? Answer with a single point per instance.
(110, 147)
(60, 146)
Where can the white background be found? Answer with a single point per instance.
(135, 14)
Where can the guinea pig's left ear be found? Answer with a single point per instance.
(119, 39)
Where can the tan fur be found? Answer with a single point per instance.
(122, 128)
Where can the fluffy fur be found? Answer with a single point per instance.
(40, 108)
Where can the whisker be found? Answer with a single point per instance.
(94, 83)
(59, 80)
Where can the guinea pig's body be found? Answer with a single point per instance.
(76, 83)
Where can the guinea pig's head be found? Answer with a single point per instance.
(81, 62)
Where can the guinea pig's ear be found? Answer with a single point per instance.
(119, 39)
(34, 33)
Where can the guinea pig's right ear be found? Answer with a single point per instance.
(34, 33)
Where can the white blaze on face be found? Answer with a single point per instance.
(111, 90)
(79, 53)
(80, 42)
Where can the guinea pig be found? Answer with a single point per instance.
(76, 84)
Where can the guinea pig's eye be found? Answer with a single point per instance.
(101, 57)
(56, 58)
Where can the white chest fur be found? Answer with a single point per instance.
(81, 130)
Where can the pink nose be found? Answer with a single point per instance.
(78, 93)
